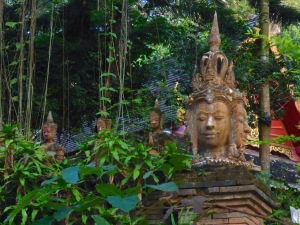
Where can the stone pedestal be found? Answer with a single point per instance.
(234, 194)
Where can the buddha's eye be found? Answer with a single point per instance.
(202, 117)
(219, 117)
(241, 119)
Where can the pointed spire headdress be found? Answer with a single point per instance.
(217, 78)
(50, 122)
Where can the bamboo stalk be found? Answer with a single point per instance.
(1, 57)
(31, 67)
(21, 65)
(48, 65)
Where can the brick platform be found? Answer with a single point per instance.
(235, 196)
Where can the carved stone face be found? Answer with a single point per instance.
(155, 121)
(100, 125)
(213, 125)
(48, 133)
(243, 128)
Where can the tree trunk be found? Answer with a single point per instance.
(264, 125)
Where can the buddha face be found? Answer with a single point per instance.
(243, 128)
(48, 134)
(155, 121)
(213, 122)
(100, 125)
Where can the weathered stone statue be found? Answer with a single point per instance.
(102, 121)
(240, 127)
(157, 138)
(102, 124)
(216, 117)
(49, 130)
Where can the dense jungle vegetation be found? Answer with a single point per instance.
(72, 57)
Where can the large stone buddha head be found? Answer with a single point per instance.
(212, 108)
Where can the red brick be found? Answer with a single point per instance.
(242, 220)
(212, 221)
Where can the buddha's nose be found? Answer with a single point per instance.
(210, 122)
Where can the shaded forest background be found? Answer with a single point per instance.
(72, 57)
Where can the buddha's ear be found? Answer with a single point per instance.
(161, 122)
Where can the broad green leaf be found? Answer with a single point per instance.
(13, 63)
(90, 201)
(100, 220)
(137, 101)
(127, 159)
(15, 98)
(13, 81)
(105, 99)
(110, 59)
(108, 190)
(125, 180)
(113, 34)
(108, 89)
(123, 144)
(33, 214)
(148, 174)
(50, 180)
(149, 163)
(84, 218)
(109, 167)
(24, 216)
(110, 144)
(132, 191)
(45, 221)
(87, 170)
(70, 174)
(168, 187)
(8, 142)
(11, 24)
(115, 155)
(22, 181)
(124, 203)
(102, 113)
(108, 74)
(125, 102)
(76, 194)
(136, 173)
(18, 45)
(62, 213)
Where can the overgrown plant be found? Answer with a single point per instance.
(104, 184)
(286, 196)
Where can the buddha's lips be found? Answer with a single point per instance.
(210, 134)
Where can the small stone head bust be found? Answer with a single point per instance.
(156, 118)
(49, 129)
(102, 122)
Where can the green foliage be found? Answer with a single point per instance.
(103, 187)
(286, 196)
